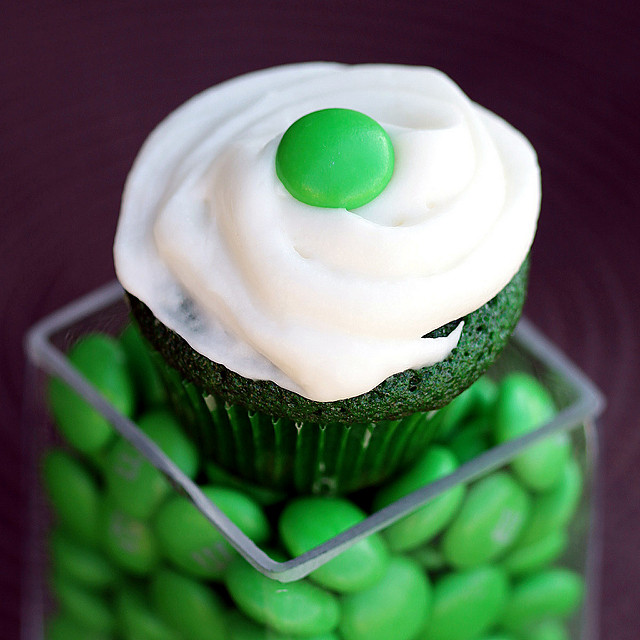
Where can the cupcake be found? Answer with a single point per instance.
(320, 256)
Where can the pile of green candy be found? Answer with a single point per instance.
(131, 559)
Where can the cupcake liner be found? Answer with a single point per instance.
(295, 456)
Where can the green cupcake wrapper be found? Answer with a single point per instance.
(297, 457)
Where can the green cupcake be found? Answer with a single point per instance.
(320, 256)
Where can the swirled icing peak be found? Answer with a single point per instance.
(321, 301)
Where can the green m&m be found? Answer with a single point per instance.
(547, 595)
(84, 606)
(64, 627)
(136, 619)
(476, 400)
(143, 373)
(335, 158)
(395, 607)
(241, 628)
(536, 554)
(554, 509)
(133, 483)
(128, 541)
(466, 604)
(488, 523)
(299, 608)
(524, 405)
(102, 361)
(189, 606)
(74, 495)
(307, 522)
(81, 564)
(422, 525)
(193, 544)
(547, 630)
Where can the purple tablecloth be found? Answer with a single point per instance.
(81, 85)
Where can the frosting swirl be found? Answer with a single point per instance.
(325, 302)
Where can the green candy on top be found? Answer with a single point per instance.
(335, 158)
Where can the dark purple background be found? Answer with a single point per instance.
(82, 83)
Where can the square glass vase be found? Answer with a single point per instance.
(492, 534)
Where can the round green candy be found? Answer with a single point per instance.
(188, 606)
(428, 558)
(144, 374)
(241, 628)
(452, 416)
(335, 158)
(486, 394)
(74, 495)
(471, 441)
(466, 604)
(133, 483)
(306, 523)
(81, 564)
(299, 608)
(488, 523)
(137, 620)
(526, 558)
(524, 405)
(422, 525)
(82, 605)
(554, 509)
(264, 496)
(129, 542)
(64, 627)
(547, 630)
(193, 544)
(554, 593)
(101, 360)
(396, 607)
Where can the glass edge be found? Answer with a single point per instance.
(43, 354)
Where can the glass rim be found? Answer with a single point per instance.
(43, 354)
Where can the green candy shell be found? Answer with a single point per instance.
(64, 627)
(136, 620)
(297, 608)
(423, 524)
(450, 418)
(101, 360)
(148, 384)
(193, 544)
(471, 441)
(74, 495)
(81, 564)
(547, 630)
(189, 606)
(308, 522)
(83, 605)
(554, 509)
(396, 607)
(524, 405)
(554, 593)
(241, 628)
(526, 558)
(466, 604)
(262, 495)
(133, 483)
(488, 523)
(129, 542)
(335, 158)
(429, 558)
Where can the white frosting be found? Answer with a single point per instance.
(325, 302)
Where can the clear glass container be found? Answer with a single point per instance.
(492, 534)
